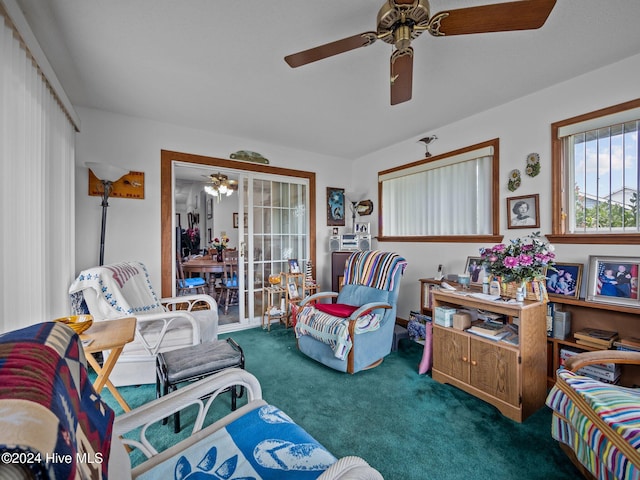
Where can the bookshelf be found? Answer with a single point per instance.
(622, 319)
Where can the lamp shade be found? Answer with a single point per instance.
(105, 172)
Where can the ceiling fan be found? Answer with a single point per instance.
(401, 21)
(219, 185)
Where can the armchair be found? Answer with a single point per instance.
(54, 424)
(125, 289)
(356, 332)
(597, 424)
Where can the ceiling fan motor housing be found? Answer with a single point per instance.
(396, 22)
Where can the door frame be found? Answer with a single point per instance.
(167, 157)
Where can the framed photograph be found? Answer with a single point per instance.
(613, 280)
(362, 228)
(235, 219)
(335, 207)
(294, 266)
(209, 207)
(565, 281)
(523, 211)
(334, 231)
(476, 270)
(292, 288)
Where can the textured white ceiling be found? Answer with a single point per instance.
(218, 65)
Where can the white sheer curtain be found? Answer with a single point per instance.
(37, 150)
(453, 199)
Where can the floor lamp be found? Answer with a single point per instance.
(107, 174)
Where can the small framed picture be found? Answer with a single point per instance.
(292, 289)
(565, 281)
(613, 280)
(294, 266)
(235, 219)
(335, 231)
(362, 228)
(476, 270)
(523, 211)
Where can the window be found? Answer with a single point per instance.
(450, 197)
(596, 176)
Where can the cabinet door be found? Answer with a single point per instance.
(451, 353)
(494, 370)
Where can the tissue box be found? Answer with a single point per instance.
(461, 320)
(444, 316)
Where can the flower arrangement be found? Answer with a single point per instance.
(220, 243)
(524, 259)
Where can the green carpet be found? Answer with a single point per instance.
(404, 424)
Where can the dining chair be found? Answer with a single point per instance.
(187, 286)
(229, 287)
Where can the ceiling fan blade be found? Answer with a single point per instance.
(499, 17)
(401, 75)
(330, 49)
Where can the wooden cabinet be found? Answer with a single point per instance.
(512, 378)
(338, 260)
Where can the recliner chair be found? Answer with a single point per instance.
(356, 332)
(163, 324)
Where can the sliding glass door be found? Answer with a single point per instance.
(276, 228)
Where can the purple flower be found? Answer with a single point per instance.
(510, 262)
(525, 260)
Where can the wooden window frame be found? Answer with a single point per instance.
(558, 217)
(494, 237)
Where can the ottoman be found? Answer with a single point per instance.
(194, 362)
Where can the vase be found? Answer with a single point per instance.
(219, 255)
(533, 289)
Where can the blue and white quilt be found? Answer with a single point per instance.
(262, 444)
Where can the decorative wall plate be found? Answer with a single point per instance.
(514, 180)
(533, 164)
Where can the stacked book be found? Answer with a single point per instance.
(603, 372)
(489, 329)
(595, 338)
(631, 344)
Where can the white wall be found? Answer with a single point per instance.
(523, 126)
(133, 226)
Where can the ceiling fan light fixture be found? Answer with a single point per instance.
(220, 186)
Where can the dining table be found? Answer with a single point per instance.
(207, 265)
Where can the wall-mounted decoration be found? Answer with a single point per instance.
(364, 207)
(565, 281)
(523, 211)
(533, 165)
(614, 280)
(248, 156)
(209, 207)
(514, 180)
(130, 185)
(335, 206)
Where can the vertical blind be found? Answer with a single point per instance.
(454, 198)
(37, 150)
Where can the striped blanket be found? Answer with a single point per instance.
(600, 422)
(373, 268)
(334, 331)
(51, 419)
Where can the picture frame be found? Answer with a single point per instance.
(235, 219)
(363, 228)
(565, 281)
(292, 290)
(209, 207)
(294, 266)
(476, 270)
(613, 280)
(335, 207)
(523, 211)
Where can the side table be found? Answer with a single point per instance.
(110, 335)
(275, 297)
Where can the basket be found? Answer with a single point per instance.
(534, 290)
(79, 323)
